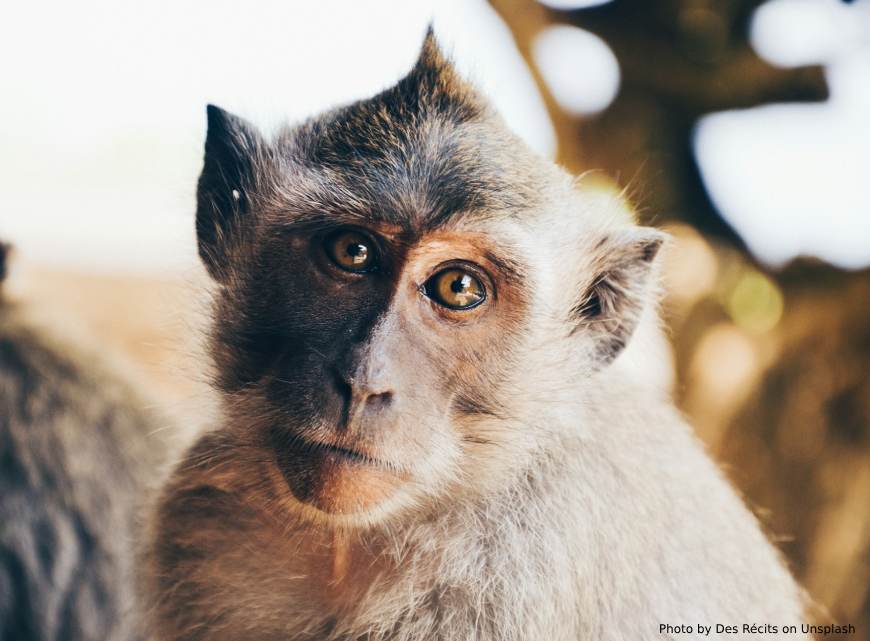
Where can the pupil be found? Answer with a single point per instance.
(459, 285)
(356, 250)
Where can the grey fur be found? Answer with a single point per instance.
(76, 452)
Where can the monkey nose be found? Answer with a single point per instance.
(365, 405)
(376, 400)
(368, 396)
(362, 397)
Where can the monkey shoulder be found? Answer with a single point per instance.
(670, 533)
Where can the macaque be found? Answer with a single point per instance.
(436, 420)
(79, 444)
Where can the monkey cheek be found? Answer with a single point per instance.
(335, 485)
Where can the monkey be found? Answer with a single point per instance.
(79, 445)
(436, 424)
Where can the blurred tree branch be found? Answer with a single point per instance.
(679, 60)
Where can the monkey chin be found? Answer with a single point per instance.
(339, 485)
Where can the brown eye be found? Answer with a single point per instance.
(351, 250)
(455, 288)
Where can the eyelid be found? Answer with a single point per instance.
(457, 263)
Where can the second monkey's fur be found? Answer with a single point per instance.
(80, 444)
(549, 491)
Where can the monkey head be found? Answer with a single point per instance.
(403, 292)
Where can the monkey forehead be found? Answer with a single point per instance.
(416, 155)
(417, 181)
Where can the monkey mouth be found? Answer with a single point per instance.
(352, 456)
(332, 478)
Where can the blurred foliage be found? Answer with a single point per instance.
(775, 375)
(773, 367)
(679, 60)
(800, 444)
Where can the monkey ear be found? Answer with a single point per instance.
(611, 305)
(233, 148)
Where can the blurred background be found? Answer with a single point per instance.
(742, 127)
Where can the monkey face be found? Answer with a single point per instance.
(361, 354)
(382, 269)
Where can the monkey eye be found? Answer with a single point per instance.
(455, 288)
(351, 250)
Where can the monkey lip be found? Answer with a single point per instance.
(334, 479)
(352, 456)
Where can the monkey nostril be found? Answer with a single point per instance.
(379, 401)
